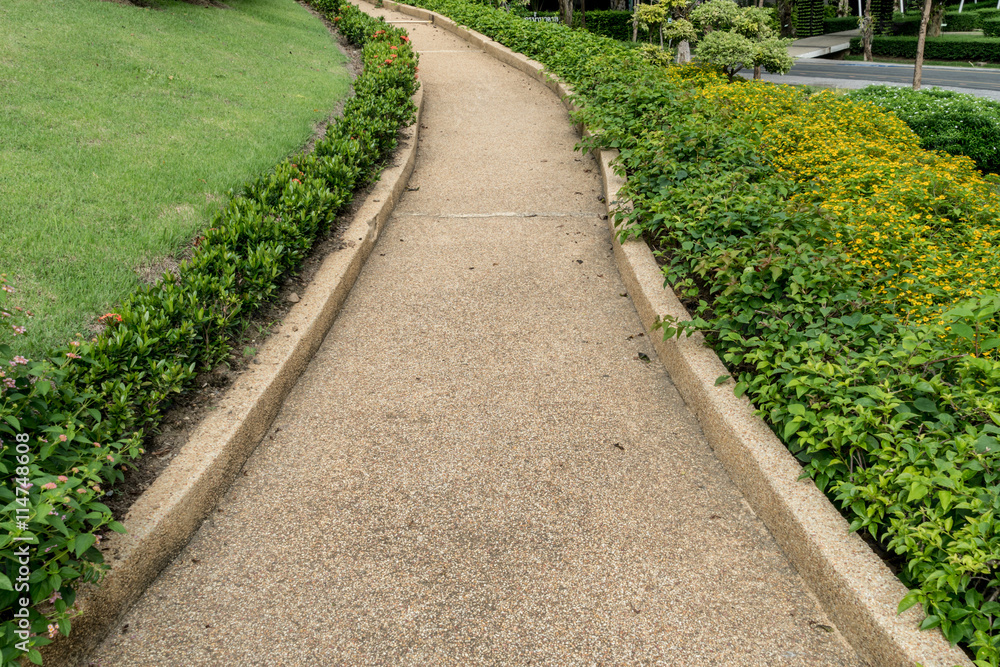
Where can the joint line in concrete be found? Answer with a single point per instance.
(507, 214)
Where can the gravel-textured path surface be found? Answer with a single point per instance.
(478, 468)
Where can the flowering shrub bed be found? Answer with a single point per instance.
(828, 258)
(944, 120)
(70, 424)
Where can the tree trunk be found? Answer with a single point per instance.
(937, 18)
(583, 14)
(683, 53)
(867, 29)
(843, 8)
(635, 22)
(566, 12)
(756, 72)
(784, 9)
(918, 66)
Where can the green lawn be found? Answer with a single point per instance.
(122, 128)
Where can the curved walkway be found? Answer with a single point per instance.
(485, 464)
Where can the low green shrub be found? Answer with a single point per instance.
(944, 120)
(991, 27)
(840, 24)
(789, 223)
(70, 424)
(962, 21)
(908, 24)
(946, 47)
(610, 23)
(988, 14)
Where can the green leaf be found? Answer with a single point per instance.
(930, 622)
(791, 428)
(5, 583)
(925, 405)
(12, 420)
(917, 491)
(34, 656)
(963, 330)
(721, 379)
(83, 542)
(945, 498)
(907, 602)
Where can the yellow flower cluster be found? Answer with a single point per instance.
(922, 227)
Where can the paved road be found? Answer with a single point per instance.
(477, 468)
(836, 74)
(951, 77)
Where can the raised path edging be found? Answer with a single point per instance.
(165, 517)
(853, 584)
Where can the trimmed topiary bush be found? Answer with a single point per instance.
(991, 28)
(962, 21)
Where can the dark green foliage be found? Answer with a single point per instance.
(809, 18)
(946, 47)
(882, 13)
(83, 411)
(906, 25)
(988, 14)
(610, 23)
(991, 28)
(840, 24)
(962, 21)
(945, 120)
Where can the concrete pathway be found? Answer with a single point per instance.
(478, 468)
(822, 45)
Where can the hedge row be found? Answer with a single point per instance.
(840, 24)
(802, 217)
(79, 415)
(946, 47)
(962, 21)
(991, 28)
(611, 23)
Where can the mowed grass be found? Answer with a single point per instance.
(123, 128)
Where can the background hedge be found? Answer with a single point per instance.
(946, 47)
(840, 24)
(962, 21)
(611, 23)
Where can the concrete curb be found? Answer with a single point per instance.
(852, 583)
(164, 518)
